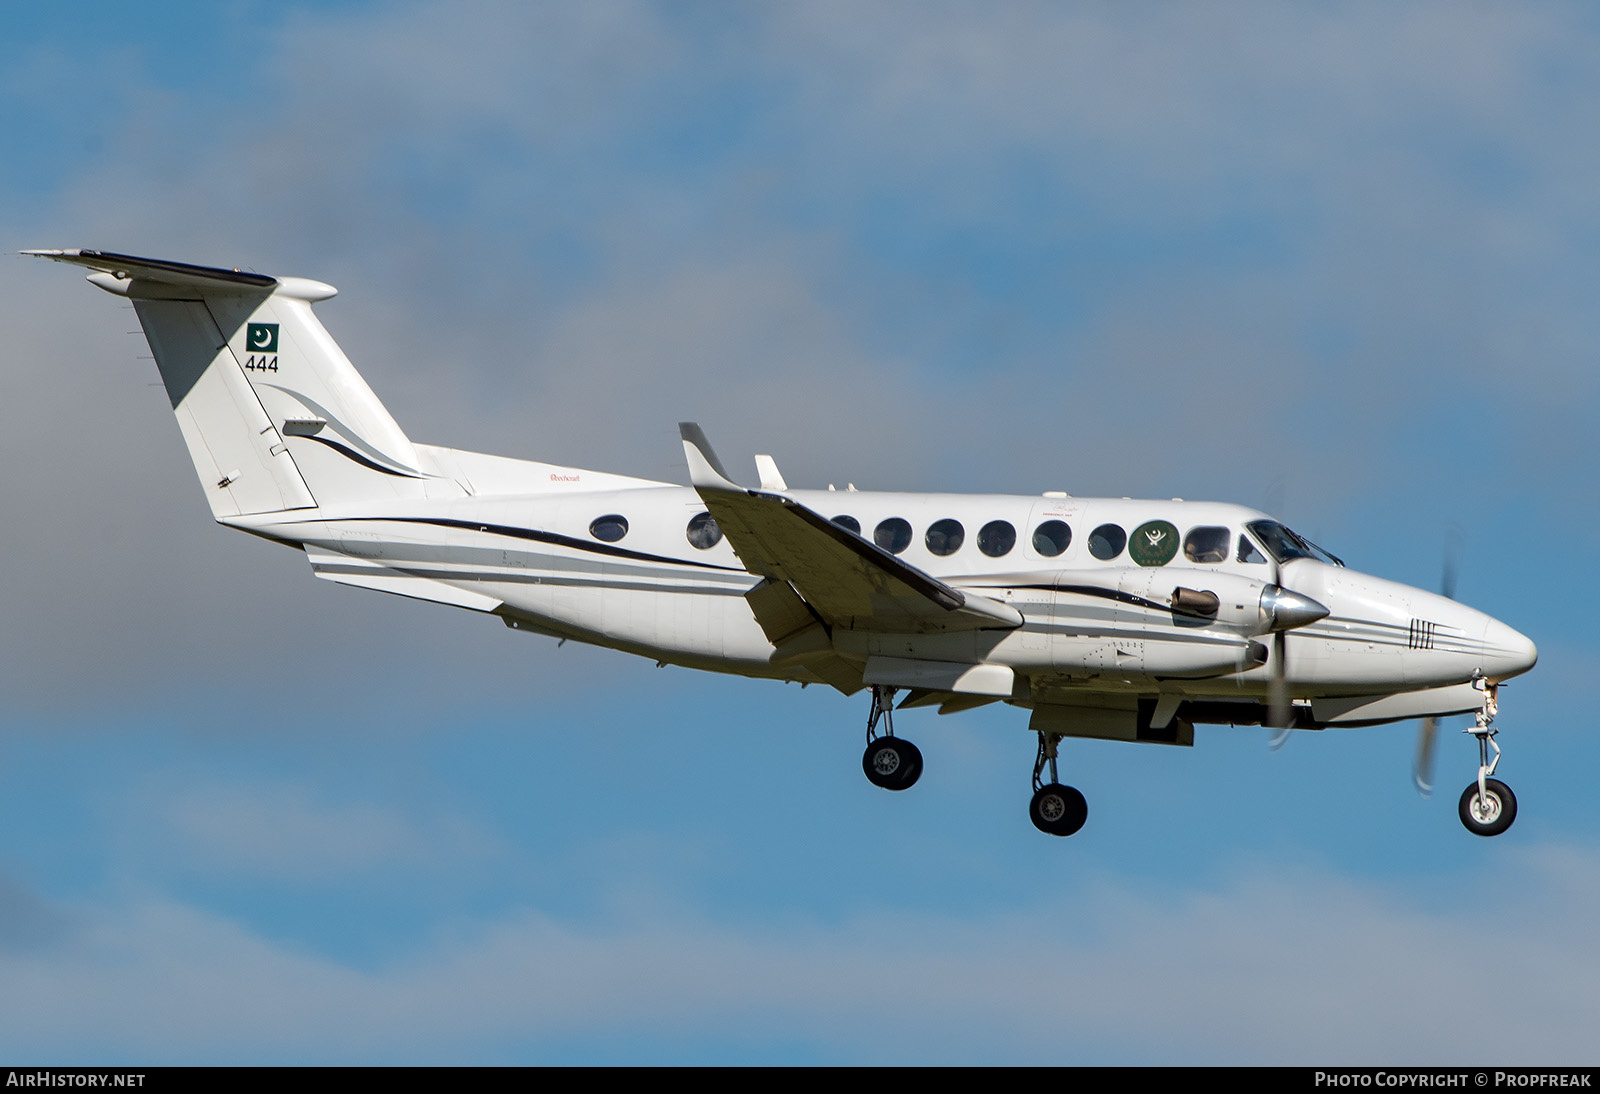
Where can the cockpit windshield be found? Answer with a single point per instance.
(1282, 544)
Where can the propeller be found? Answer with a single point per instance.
(1278, 683)
(1286, 610)
(1422, 766)
(1428, 731)
(1279, 709)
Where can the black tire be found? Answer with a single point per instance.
(1058, 810)
(1501, 811)
(892, 763)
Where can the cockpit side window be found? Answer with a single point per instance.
(1247, 550)
(1283, 544)
(1207, 544)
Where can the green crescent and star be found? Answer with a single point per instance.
(261, 338)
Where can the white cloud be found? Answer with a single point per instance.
(1279, 964)
(283, 831)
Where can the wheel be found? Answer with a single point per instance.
(1058, 810)
(1494, 814)
(892, 763)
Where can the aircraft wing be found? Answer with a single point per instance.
(848, 581)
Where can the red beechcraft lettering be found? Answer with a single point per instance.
(1109, 618)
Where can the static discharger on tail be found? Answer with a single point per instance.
(1109, 618)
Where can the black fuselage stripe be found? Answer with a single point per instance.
(537, 536)
(1110, 594)
(351, 453)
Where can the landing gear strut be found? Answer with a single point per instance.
(1055, 810)
(1487, 806)
(890, 762)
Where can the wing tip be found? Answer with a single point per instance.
(704, 467)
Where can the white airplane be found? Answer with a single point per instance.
(1108, 618)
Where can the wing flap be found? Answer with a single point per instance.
(941, 676)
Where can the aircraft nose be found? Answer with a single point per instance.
(1507, 652)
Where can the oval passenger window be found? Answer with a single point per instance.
(1051, 538)
(1107, 541)
(610, 528)
(997, 538)
(703, 532)
(945, 537)
(893, 535)
(1207, 544)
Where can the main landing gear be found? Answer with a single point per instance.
(1487, 806)
(889, 761)
(1055, 810)
(894, 763)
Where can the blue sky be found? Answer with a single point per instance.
(1338, 259)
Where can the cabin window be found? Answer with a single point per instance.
(1107, 541)
(848, 522)
(893, 535)
(703, 532)
(997, 538)
(1206, 544)
(1248, 551)
(609, 528)
(1052, 537)
(944, 537)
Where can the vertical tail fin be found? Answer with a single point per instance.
(274, 415)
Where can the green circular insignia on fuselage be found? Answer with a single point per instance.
(1153, 543)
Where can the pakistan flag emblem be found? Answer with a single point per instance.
(1154, 543)
(261, 338)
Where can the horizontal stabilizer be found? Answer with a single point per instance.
(123, 267)
(363, 573)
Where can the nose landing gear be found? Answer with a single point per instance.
(1487, 806)
(1489, 810)
(889, 761)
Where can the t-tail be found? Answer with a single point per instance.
(275, 416)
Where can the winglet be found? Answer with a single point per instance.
(771, 477)
(705, 470)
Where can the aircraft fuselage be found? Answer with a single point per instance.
(1091, 625)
